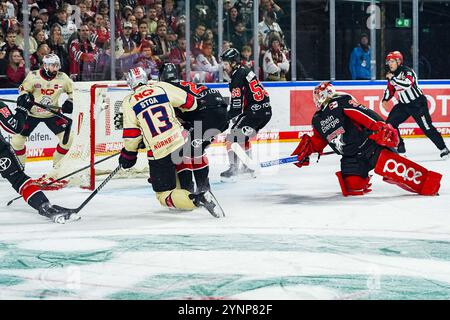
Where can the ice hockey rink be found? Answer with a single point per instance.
(287, 234)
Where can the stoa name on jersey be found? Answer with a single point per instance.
(328, 123)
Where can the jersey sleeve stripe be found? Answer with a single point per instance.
(131, 133)
(7, 129)
(189, 102)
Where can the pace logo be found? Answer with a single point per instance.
(5, 163)
(400, 169)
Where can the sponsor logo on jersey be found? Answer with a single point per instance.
(5, 112)
(328, 123)
(37, 85)
(250, 76)
(333, 105)
(5, 163)
(400, 169)
(58, 86)
(236, 93)
(248, 131)
(144, 93)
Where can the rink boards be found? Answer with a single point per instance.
(292, 110)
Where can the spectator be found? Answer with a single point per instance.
(360, 59)
(178, 55)
(162, 48)
(246, 54)
(103, 9)
(126, 48)
(103, 66)
(232, 18)
(20, 41)
(89, 9)
(169, 16)
(127, 11)
(36, 58)
(142, 34)
(43, 14)
(128, 3)
(10, 44)
(134, 24)
(148, 61)
(56, 45)
(101, 34)
(159, 11)
(275, 64)
(67, 27)
(39, 36)
(269, 6)
(34, 11)
(152, 20)
(198, 39)
(226, 45)
(83, 55)
(239, 37)
(245, 9)
(38, 24)
(269, 25)
(138, 12)
(83, 14)
(15, 71)
(205, 61)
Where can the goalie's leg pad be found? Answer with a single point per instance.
(176, 198)
(353, 185)
(407, 174)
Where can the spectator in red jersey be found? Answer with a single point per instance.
(15, 71)
(83, 55)
(149, 62)
(36, 58)
(178, 55)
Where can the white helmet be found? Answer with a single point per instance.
(51, 59)
(136, 77)
(322, 93)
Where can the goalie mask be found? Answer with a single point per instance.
(136, 77)
(323, 92)
(51, 65)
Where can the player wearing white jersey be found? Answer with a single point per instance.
(149, 118)
(44, 86)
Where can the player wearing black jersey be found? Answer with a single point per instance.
(203, 124)
(412, 102)
(365, 143)
(250, 108)
(12, 170)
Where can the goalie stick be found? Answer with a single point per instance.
(50, 108)
(253, 165)
(66, 176)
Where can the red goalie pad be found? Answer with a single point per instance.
(407, 174)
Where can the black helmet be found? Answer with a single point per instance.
(231, 55)
(168, 72)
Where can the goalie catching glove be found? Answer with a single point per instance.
(303, 151)
(127, 158)
(385, 135)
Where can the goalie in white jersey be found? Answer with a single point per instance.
(149, 118)
(44, 86)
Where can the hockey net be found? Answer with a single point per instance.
(95, 135)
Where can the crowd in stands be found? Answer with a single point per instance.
(148, 34)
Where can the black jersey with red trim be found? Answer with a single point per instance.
(9, 121)
(247, 93)
(345, 125)
(206, 97)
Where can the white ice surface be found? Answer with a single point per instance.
(288, 234)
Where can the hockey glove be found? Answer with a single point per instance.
(385, 135)
(303, 151)
(127, 158)
(26, 101)
(67, 106)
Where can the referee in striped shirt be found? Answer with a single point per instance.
(412, 102)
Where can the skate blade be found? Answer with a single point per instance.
(228, 179)
(63, 218)
(213, 205)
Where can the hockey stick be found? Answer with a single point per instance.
(253, 165)
(50, 108)
(67, 176)
(85, 202)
